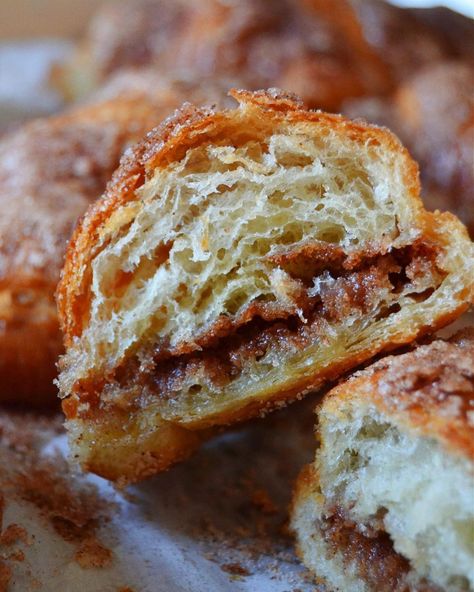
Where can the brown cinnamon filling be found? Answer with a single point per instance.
(378, 564)
(231, 345)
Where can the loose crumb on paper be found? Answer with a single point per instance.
(73, 508)
(91, 553)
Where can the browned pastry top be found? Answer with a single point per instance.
(188, 127)
(49, 172)
(430, 389)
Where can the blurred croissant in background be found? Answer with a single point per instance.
(315, 48)
(323, 50)
(417, 63)
(433, 113)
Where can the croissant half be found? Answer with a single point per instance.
(238, 260)
(388, 504)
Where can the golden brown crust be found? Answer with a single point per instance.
(430, 390)
(190, 127)
(50, 171)
(143, 453)
(30, 345)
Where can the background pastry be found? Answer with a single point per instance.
(387, 504)
(239, 259)
(324, 50)
(121, 35)
(409, 39)
(313, 47)
(433, 112)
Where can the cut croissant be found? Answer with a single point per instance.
(238, 260)
(389, 503)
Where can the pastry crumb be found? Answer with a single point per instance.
(12, 534)
(235, 569)
(91, 554)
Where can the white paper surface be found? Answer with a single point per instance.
(179, 531)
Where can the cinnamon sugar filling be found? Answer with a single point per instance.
(371, 548)
(230, 348)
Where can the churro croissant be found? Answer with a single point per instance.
(389, 503)
(238, 260)
(50, 170)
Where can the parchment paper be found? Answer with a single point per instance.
(215, 522)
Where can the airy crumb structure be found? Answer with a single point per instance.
(238, 260)
(388, 503)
